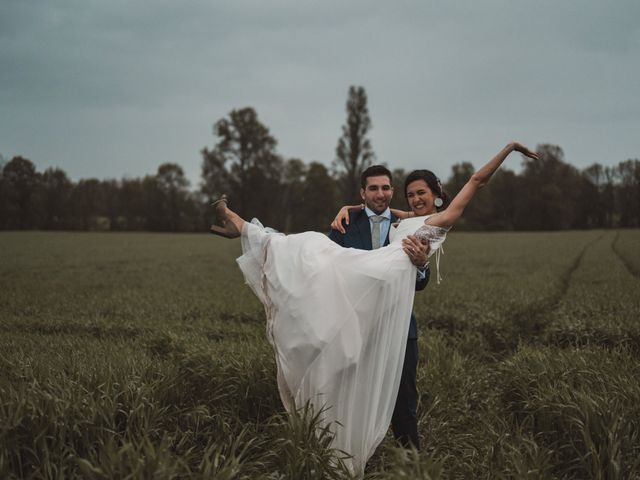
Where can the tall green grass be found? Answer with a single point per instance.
(144, 356)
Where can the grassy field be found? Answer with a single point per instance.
(144, 356)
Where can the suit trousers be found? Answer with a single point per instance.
(405, 420)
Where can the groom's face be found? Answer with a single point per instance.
(377, 193)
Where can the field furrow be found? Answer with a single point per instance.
(602, 304)
(498, 287)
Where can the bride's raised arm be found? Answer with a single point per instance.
(479, 179)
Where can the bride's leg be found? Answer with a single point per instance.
(235, 219)
(231, 221)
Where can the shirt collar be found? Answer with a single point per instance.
(386, 214)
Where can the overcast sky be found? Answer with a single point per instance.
(115, 88)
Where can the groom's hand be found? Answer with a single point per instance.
(416, 250)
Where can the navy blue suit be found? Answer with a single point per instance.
(404, 420)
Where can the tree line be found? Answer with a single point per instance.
(292, 195)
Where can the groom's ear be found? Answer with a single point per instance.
(362, 193)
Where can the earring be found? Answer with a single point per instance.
(438, 202)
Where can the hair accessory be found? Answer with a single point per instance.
(438, 202)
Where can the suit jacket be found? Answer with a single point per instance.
(358, 235)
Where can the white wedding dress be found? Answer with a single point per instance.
(338, 320)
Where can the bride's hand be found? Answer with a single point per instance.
(401, 214)
(518, 147)
(343, 214)
(416, 250)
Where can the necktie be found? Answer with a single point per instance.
(375, 231)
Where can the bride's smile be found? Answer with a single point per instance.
(421, 198)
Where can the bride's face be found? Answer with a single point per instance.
(420, 198)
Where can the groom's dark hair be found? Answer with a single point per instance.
(374, 171)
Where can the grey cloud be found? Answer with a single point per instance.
(446, 80)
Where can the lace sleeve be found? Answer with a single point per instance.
(435, 236)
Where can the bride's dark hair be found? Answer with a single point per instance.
(432, 182)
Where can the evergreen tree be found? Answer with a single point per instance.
(354, 152)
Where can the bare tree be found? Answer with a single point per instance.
(244, 164)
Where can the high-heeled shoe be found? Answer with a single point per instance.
(228, 230)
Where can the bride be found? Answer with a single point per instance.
(337, 317)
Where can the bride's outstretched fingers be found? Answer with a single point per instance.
(518, 147)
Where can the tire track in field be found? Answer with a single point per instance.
(533, 319)
(625, 261)
(526, 322)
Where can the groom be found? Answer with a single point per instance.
(368, 229)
